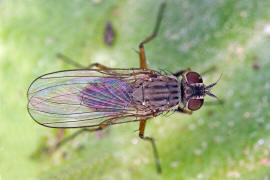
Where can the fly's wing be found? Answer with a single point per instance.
(82, 98)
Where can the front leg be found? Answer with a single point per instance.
(182, 110)
(181, 72)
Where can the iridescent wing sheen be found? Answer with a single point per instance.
(83, 98)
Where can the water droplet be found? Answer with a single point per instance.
(197, 152)
(267, 126)
(261, 142)
(260, 120)
(192, 127)
(146, 160)
(230, 93)
(267, 85)
(234, 174)
(200, 176)
(266, 152)
(204, 144)
(214, 124)
(200, 121)
(244, 14)
(247, 114)
(137, 161)
(174, 164)
(241, 162)
(237, 104)
(96, 1)
(231, 123)
(266, 29)
(265, 162)
(49, 40)
(184, 47)
(134, 141)
(218, 139)
(246, 151)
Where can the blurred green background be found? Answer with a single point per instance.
(229, 141)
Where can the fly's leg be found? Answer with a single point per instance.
(181, 72)
(69, 61)
(77, 65)
(143, 64)
(75, 134)
(182, 110)
(99, 66)
(209, 70)
(152, 140)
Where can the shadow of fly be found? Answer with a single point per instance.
(93, 99)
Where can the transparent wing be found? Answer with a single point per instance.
(82, 98)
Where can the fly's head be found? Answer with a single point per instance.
(194, 90)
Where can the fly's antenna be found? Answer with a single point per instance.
(208, 88)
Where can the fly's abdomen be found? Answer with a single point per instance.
(161, 92)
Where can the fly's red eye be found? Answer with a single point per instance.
(193, 77)
(195, 104)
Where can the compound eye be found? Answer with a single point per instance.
(193, 77)
(195, 104)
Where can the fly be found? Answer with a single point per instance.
(93, 99)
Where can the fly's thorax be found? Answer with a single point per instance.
(159, 93)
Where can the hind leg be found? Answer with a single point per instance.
(77, 65)
(152, 141)
(77, 133)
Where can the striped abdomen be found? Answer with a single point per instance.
(159, 93)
